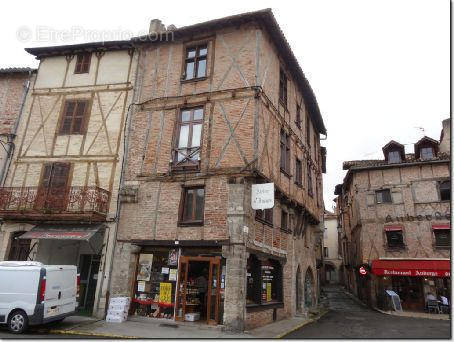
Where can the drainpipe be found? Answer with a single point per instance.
(10, 143)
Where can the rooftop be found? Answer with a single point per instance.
(16, 70)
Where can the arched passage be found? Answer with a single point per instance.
(309, 288)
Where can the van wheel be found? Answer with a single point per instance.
(17, 322)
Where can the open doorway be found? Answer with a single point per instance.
(198, 289)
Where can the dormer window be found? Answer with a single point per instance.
(394, 157)
(427, 153)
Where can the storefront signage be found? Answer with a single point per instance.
(262, 196)
(412, 273)
(436, 216)
(165, 293)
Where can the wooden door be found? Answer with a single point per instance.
(20, 248)
(180, 303)
(54, 187)
(214, 293)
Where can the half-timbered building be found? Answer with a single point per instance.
(221, 106)
(60, 194)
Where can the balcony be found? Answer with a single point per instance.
(77, 203)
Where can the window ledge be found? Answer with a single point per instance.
(264, 306)
(195, 79)
(286, 173)
(264, 222)
(190, 224)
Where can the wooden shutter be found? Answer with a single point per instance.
(78, 118)
(65, 127)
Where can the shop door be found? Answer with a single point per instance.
(88, 269)
(20, 248)
(213, 290)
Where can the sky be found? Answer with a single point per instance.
(379, 69)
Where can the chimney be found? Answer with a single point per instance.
(445, 138)
(156, 26)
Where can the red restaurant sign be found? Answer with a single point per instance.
(412, 268)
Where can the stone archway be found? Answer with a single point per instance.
(298, 288)
(309, 289)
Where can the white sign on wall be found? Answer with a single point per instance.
(262, 196)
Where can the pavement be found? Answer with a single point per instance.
(349, 318)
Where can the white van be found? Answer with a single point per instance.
(32, 293)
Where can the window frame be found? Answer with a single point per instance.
(397, 152)
(383, 191)
(261, 216)
(183, 199)
(283, 87)
(196, 59)
(284, 147)
(83, 63)
(436, 241)
(84, 118)
(396, 246)
(441, 191)
(298, 172)
(421, 154)
(298, 116)
(187, 164)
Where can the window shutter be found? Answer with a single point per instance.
(78, 120)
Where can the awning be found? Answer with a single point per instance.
(63, 232)
(441, 226)
(412, 268)
(392, 228)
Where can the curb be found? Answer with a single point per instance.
(299, 326)
(87, 333)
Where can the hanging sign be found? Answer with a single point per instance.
(165, 293)
(262, 196)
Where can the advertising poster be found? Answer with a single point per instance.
(173, 274)
(173, 257)
(268, 292)
(165, 293)
(145, 263)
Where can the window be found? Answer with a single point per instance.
(394, 237)
(427, 153)
(75, 116)
(82, 63)
(265, 216)
(308, 131)
(284, 220)
(394, 157)
(253, 280)
(298, 172)
(271, 281)
(192, 205)
(188, 140)
(383, 196)
(445, 190)
(298, 116)
(285, 152)
(309, 181)
(325, 252)
(195, 62)
(283, 87)
(442, 237)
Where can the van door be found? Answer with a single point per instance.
(60, 297)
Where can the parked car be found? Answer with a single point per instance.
(32, 293)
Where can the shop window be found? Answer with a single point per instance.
(271, 281)
(192, 206)
(285, 152)
(283, 87)
(442, 237)
(265, 216)
(394, 237)
(394, 157)
(445, 190)
(253, 280)
(195, 62)
(383, 196)
(82, 63)
(75, 117)
(186, 155)
(427, 153)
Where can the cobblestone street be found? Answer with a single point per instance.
(349, 319)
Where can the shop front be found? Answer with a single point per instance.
(412, 280)
(179, 283)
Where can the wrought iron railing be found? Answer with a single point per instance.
(76, 199)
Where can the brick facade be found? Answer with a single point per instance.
(240, 146)
(415, 206)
